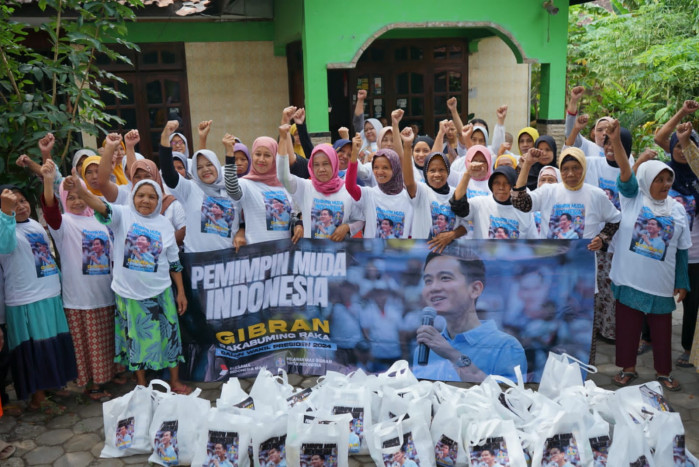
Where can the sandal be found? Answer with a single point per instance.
(48, 407)
(669, 383)
(12, 410)
(683, 361)
(97, 394)
(624, 378)
(644, 347)
(6, 450)
(183, 390)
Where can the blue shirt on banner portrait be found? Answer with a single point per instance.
(96, 253)
(389, 224)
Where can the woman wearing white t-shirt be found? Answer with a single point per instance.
(85, 248)
(147, 327)
(571, 209)
(211, 218)
(646, 275)
(327, 208)
(34, 309)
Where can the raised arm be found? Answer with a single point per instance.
(52, 213)
(620, 156)
(438, 145)
(231, 172)
(351, 175)
(300, 121)
(358, 119)
(73, 184)
(689, 150)
(203, 130)
(46, 146)
(8, 224)
(452, 105)
(465, 136)
(283, 172)
(287, 113)
(396, 117)
(407, 138)
(580, 124)
(170, 175)
(520, 198)
(131, 139)
(108, 188)
(662, 137)
(498, 136)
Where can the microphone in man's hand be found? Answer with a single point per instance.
(423, 352)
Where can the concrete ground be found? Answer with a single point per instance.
(75, 439)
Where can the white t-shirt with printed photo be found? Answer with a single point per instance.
(644, 256)
(267, 210)
(491, 219)
(572, 214)
(386, 216)
(31, 272)
(143, 250)
(85, 248)
(432, 213)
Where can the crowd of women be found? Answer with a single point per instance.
(119, 221)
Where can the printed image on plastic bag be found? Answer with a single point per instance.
(319, 455)
(222, 449)
(600, 450)
(273, 452)
(491, 453)
(561, 450)
(655, 399)
(679, 456)
(124, 433)
(406, 456)
(299, 397)
(445, 452)
(356, 434)
(640, 462)
(166, 443)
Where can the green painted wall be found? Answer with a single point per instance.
(191, 31)
(333, 32)
(288, 23)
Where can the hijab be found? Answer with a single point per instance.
(445, 188)
(269, 177)
(422, 139)
(626, 143)
(549, 169)
(298, 149)
(473, 151)
(150, 167)
(685, 182)
(244, 149)
(482, 129)
(576, 154)
(395, 184)
(531, 132)
(383, 132)
(511, 176)
(182, 158)
(88, 162)
(506, 156)
(337, 145)
(335, 183)
(218, 186)
(184, 139)
(14, 188)
(80, 154)
(533, 177)
(645, 175)
(156, 211)
(366, 145)
(63, 194)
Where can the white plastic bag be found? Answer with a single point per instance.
(269, 437)
(271, 391)
(225, 437)
(562, 371)
(638, 403)
(176, 424)
(352, 399)
(127, 420)
(415, 401)
(232, 395)
(492, 438)
(665, 436)
(312, 439)
(398, 375)
(447, 437)
(400, 440)
(562, 437)
(629, 447)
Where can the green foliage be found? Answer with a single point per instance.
(639, 62)
(56, 90)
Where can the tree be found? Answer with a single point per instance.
(57, 90)
(640, 61)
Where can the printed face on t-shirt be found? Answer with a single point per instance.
(652, 234)
(43, 261)
(142, 249)
(277, 210)
(217, 216)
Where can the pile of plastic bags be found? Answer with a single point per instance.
(402, 422)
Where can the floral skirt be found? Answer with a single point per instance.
(148, 332)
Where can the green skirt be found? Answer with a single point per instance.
(148, 333)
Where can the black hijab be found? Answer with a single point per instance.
(445, 188)
(533, 177)
(510, 174)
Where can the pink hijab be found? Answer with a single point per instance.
(471, 153)
(269, 177)
(88, 212)
(335, 183)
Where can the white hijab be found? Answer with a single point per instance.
(646, 174)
